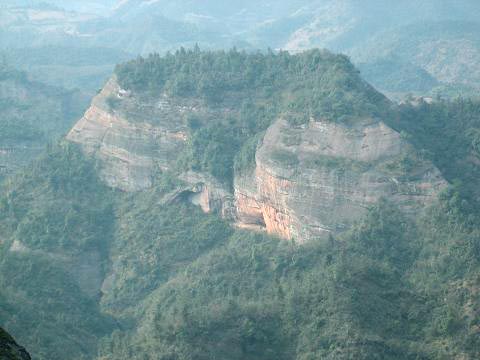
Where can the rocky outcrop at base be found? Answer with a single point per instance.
(10, 350)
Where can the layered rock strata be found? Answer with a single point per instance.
(316, 179)
(130, 151)
(308, 181)
(134, 140)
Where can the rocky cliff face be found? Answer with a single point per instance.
(309, 181)
(319, 178)
(9, 349)
(134, 139)
(130, 150)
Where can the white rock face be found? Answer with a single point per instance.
(130, 152)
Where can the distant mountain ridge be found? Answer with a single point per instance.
(368, 31)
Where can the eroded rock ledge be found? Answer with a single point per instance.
(308, 181)
(319, 178)
(130, 151)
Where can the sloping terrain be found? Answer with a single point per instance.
(33, 114)
(339, 156)
(122, 242)
(438, 38)
(447, 51)
(47, 42)
(9, 349)
(435, 43)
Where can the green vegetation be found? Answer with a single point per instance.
(71, 66)
(394, 75)
(55, 218)
(31, 110)
(285, 157)
(212, 148)
(64, 218)
(33, 114)
(251, 91)
(245, 159)
(446, 132)
(11, 124)
(359, 296)
(337, 163)
(155, 243)
(315, 83)
(99, 274)
(180, 284)
(424, 58)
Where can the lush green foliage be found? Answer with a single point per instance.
(63, 217)
(11, 125)
(54, 218)
(397, 76)
(135, 277)
(9, 349)
(30, 110)
(449, 133)
(212, 148)
(315, 83)
(32, 115)
(359, 296)
(251, 90)
(185, 285)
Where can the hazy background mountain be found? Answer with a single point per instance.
(33, 115)
(435, 42)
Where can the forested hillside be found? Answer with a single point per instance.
(100, 273)
(33, 114)
(434, 58)
(247, 92)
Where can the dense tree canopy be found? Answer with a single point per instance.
(314, 83)
(253, 89)
(186, 285)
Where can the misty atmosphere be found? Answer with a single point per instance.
(239, 180)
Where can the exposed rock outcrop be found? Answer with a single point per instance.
(309, 181)
(208, 193)
(319, 178)
(134, 140)
(9, 349)
(130, 150)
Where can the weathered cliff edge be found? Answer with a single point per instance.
(130, 150)
(135, 140)
(318, 178)
(308, 181)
